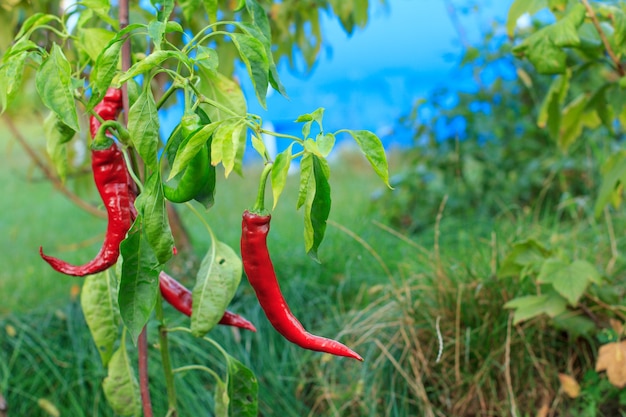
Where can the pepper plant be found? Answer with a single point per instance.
(89, 62)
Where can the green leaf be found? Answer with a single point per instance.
(33, 22)
(613, 175)
(519, 8)
(98, 299)
(252, 53)
(143, 126)
(207, 58)
(258, 145)
(575, 324)
(374, 151)
(94, 40)
(54, 85)
(222, 401)
(226, 142)
(224, 91)
(57, 135)
(151, 205)
(279, 173)
(550, 112)
(190, 147)
(574, 119)
(150, 62)
(531, 306)
(216, 284)
(307, 179)
(139, 281)
(11, 74)
(317, 207)
(527, 255)
(211, 8)
(120, 385)
(104, 70)
(544, 48)
(190, 8)
(325, 143)
(243, 389)
(570, 280)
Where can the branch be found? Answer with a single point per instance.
(618, 65)
(142, 347)
(56, 182)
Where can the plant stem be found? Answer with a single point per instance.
(259, 205)
(144, 383)
(165, 359)
(618, 65)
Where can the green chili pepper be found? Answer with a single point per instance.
(193, 181)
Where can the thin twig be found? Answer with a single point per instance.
(142, 348)
(457, 337)
(442, 206)
(614, 252)
(56, 182)
(618, 65)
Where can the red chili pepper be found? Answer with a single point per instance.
(180, 298)
(115, 187)
(260, 271)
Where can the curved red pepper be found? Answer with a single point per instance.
(260, 271)
(116, 188)
(180, 298)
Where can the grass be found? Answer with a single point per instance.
(425, 311)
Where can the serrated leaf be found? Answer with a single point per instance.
(143, 127)
(544, 48)
(98, 299)
(568, 279)
(139, 280)
(317, 207)
(532, 306)
(57, 135)
(243, 389)
(120, 385)
(216, 284)
(252, 53)
(54, 85)
(279, 173)
(151, 205)
(374, 151)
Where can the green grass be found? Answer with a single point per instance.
(389, 296)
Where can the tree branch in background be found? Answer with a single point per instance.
(56, 182)
(618, 65)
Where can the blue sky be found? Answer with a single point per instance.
(370, 79)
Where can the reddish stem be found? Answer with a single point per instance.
(142, 347)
